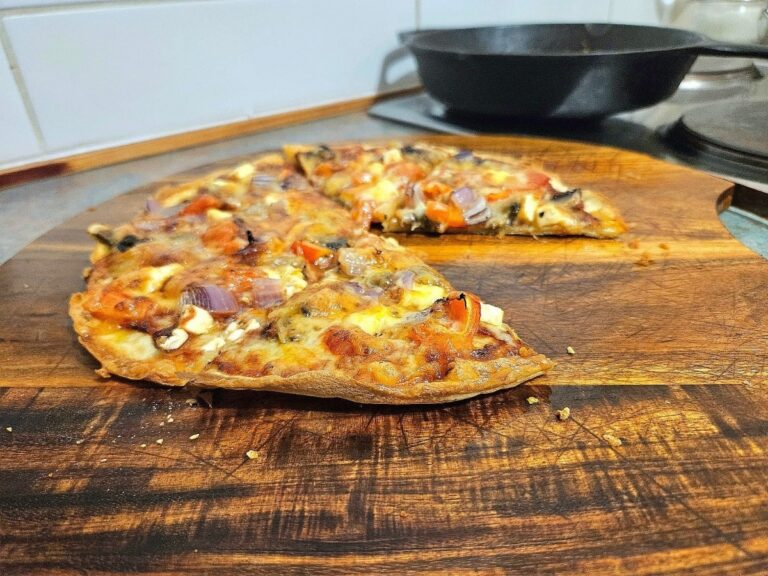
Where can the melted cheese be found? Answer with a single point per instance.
(243, 172)
(496, 176)
(422, 296)
(382, 191)
(180, 196)
(374, 320)
(392, 155)
(491, 314)
(528, 208)
(155, 277)
(291, 278)
(216, 215)
(130, 343)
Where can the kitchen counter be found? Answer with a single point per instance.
(29, 210)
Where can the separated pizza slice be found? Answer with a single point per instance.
(377, 326)
(461, 192)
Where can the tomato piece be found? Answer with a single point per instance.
(325, 169)
(447, 214)
(116, 305)
(536, 179)
(224, 237)
(309, 251)
(434, 190)
(200, 205)
(464, 308)
(408, 170)
(499, 195)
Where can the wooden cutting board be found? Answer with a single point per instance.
(671, 339)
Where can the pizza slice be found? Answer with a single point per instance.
(455, 191)
(375, 182)
(251, 279)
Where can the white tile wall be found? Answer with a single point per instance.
(17, 138)
(126, 72)
(458, 13)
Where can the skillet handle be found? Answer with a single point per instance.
(741, 50)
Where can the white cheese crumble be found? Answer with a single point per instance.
(491, 314)
(175, 340)
(195, 320)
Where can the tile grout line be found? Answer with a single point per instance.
(5, 44)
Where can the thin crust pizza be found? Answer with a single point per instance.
(252, 278)
(438, 189)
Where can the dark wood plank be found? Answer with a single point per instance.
(670, 360)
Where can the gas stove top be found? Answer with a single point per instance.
(718, 128)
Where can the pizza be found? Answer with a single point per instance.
(258, 277)
(438, 189)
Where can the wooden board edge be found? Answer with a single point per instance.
(15, 175)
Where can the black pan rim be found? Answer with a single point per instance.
(414, 43)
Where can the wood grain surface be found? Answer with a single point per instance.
(661, 468)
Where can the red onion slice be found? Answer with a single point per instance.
(267, 292)
(154, 208)
(405, 279)
(217, 300)
(473, 207)
(372, 292)
(352, 262)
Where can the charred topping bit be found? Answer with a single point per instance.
(250, 237)
(514, 210)
(557, 195)
(102, 233)
(336, 243)
(127, 243)
(325, 153)
(563, 414)
(305, 311)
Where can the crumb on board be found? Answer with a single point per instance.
(614, 441)
(79, 441)
(563, 413)
(194, 436)
(532, 400)
(162, 423)
(142, 445)
(634, 244)
(86, 272)
(170, 419)
(644, 260)
(103, 372)
(663, 245)
(159, 441)
(191, 402)
(103, 460)
(251, 454)
(570, 350)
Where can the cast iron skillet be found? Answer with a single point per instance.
(559, 70)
